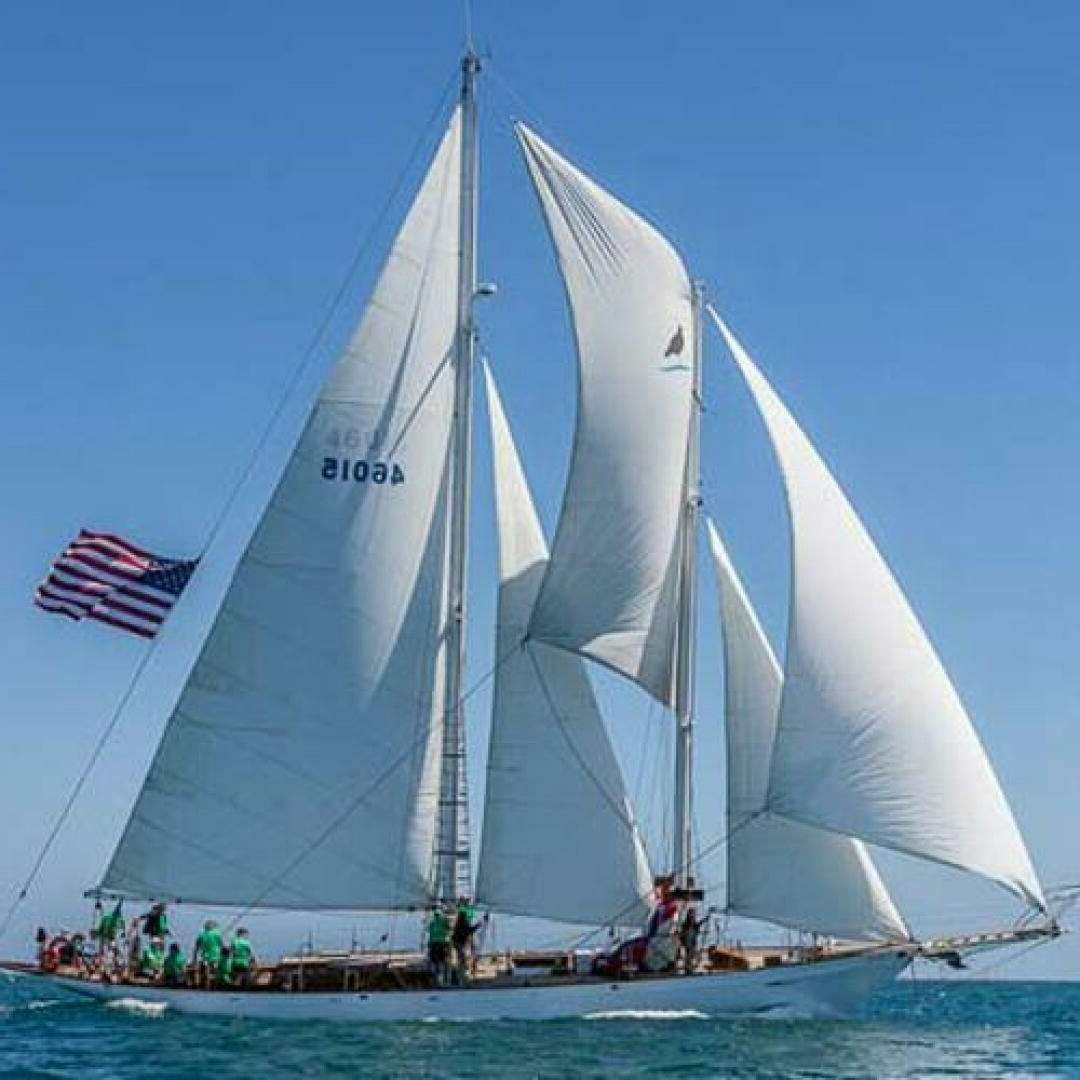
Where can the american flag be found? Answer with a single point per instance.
(103, 576)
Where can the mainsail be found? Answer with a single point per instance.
(609, 592)
(872, 739)
(559, 838)
(781, 870)
(299, 766)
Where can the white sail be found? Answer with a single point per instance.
(872, 740)
(299, 767)
(559, 839)
(781, 870)
(609, 591)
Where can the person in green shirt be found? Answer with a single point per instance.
(224, 973)
(152, 959)
(243, 957)
(438, 936)
(173, 968)
(207, 952)
(109, 925)
(107, 930)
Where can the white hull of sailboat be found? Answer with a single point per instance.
(829, 988)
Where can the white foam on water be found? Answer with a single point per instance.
(26, 1006)
(647, 1014)
(139, 1008)
(795, 1012)
(453, 1020)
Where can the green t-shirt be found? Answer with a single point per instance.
(174, 965)
(153, 958)
(468, 911)
(224, 968)
(241, 952)
(109, 927)
(208, 946)
(438, 929)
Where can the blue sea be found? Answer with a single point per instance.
(914, 1029)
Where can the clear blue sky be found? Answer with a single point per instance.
(881, 197)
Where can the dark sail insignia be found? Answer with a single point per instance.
(675, 345)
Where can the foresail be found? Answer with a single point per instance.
(779, 870)
(299, 768)
(559, 839)
(609, 592)
(872, 740)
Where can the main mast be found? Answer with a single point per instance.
(687, 624)
(452, 849)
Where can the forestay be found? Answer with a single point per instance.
(781, 870)
(609, 592)
(559, 838)
(872, 740)
(299, 767)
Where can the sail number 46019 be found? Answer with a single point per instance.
(377, 472)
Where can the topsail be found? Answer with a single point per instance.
(299, 767)
(609, 592)
(872, 739)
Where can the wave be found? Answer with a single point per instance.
(139, 1008)
(29, 1006)
(646, 1014)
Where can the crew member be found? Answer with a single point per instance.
(438, 937)
(689, 930)
(660, 929)
(243, 958)
(134, 943)
(152, 959)
(173, 967)
(207, 953)
(108, 930)
(155, 923)
(41, 940)
(465, 926)
(78, 951)
(223, 975)
(110, 926)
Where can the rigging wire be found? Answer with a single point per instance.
(323, 326)
(620, 813)
(983, 972)
(285, 396)
(364, 795)
(702, 854)
(73, 795)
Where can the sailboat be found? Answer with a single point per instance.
(334, 667)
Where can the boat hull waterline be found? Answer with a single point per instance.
(830, 988)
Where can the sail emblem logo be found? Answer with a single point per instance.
(675, 347)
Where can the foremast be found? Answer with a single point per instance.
(685, 646)
(452, 869)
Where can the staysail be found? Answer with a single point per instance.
(299, 766)
(559, 838)
(609, 592)
(872, 740)
(779, 870)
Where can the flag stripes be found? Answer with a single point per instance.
(105, 577)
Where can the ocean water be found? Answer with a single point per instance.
(914, 1029)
